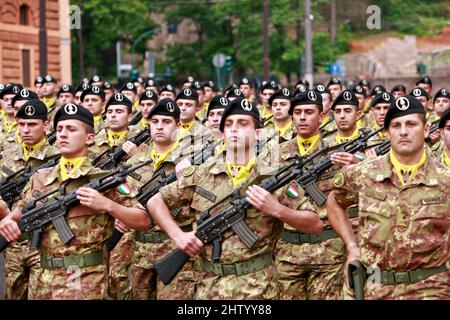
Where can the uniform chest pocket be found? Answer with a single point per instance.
(374, 218)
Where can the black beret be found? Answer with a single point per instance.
(150, 83)
(81, 87)
(270, 85)
(284, 93)
(189, 79)
(187, 94)
(442, 93)
(403, 106)
(148, 95)
(309, 97)
(346, 97)
(2, 86)
(94, 90)
(419, 92)
(66, 88)
(425, 80)
(119, 99)
(209, 84)
(168, 88)
(197, 85)
(140, 80)
(303, 82)
(299, 90)
(334, 80)
(95, 78)
(85, 80)
(49, 78)
(11, 88)
(320, 88)
(24, 94)
(33, 109)
(245, 81)
(230, 87)
(218, 102)
(364, 82)
(73, 111)
(129, 86)
(400, 88)
(358, 89)
(107, 85)
(384, 97)
(444, 117)
(235, 93)
(240, 106)
(38, 79)
(166, 107)
(377, 90)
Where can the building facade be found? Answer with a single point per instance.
(19, 40)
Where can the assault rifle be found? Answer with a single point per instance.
(11, 188)
(112, 156)
(36, 218)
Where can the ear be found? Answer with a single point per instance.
(426, 130)
(90, 139)
(130, 116)
(46, 125)
(258, 134)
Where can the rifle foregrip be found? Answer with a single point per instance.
(114, 240)
(169, 266)
(3, 244)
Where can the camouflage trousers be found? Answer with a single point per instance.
(310, 282)
(88, 283)
(21, 264)
(436, 287)
(119, 263)
(145, 284)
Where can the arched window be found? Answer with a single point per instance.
(24, 15)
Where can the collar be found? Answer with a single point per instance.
(85, 169)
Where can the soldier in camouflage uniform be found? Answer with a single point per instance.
(398, 91)
(266, 91)
(48, 92)
(246, 88)
(147, 101)
(441, 103)
(66, 94)
(426, 84)
(242, 273)
(152, 245)
(21, 262)
(309, 266)
(442, 152)
(200, 113)
(129, 90)
(93, 99)
(191, 128)
(404, 221)
(168, 91)
(78, 91)
(8, 115)
(77, 269)
(335, 87)
(151, 85)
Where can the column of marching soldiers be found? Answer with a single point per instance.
(266, 193)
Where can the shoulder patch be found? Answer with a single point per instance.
(124, 189)
(339, 180)
(189, 171)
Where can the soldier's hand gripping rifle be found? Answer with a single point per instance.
(113, 156)
(161, 179)
(311, 174)
(11, 188)
(210, 228)
(35, 218)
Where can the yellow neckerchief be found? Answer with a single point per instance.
(114, 138)
(239, 173)
(18, 138)
(282, 131)
(185, 128)
(28, 150)
(48, 102)
(446, 159)
(158, 158)
(306, 145)
(325, 120)
(340, 139)
(135, 106)
(358, 123)
(97, 120)
(428, 115)
(266, 113)
(67, 166)
(406, 173)
(144, 122)
(382, 134)
(9, 126)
